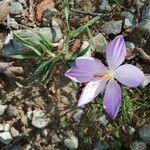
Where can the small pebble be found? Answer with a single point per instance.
(104, 6)
(146, 80)
(2, 109)
(112, 27)
(71, 143)
(39, 120)
(16, 8)
(77, 115)
(14, 132)
(5, 137)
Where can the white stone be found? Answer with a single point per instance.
(39, 120)
(6, 127)
(2, 109)
(77, 115)
(5, 137)
(71, 143)
(14, 132)
(146, 80)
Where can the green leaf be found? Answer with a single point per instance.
(45, 67)
(67, 11)
(27, 44)
(22, 56)
(74, 33)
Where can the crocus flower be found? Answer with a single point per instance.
(100, 78)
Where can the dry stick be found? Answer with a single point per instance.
(31, 11)
(90, 13)
(143, 55)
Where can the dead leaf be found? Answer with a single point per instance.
(41, 7)
(76, 45)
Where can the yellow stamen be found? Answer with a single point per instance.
(103, 75)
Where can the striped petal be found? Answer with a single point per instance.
(116, 52)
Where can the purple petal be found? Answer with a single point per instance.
(85, 68)
(91, 90)
(129, 75)
(112, 98)
(116, 52)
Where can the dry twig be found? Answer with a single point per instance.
(143, 55)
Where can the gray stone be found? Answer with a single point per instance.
(112, 27)
(13, 47)
(128, 15)
(14, 132)
(48, 13)
(127, 23)
(146, 80)
(130, 20)
(99, 43)
(39, 120)
(138, 146)
(104, 6)
(5, 137)
(130, 45)
(2, 109)
(145, 133)
(77, 115)
(146, 13)
(16, 8)
(71, 143)
(144, 25)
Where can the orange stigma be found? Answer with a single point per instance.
(103, 75)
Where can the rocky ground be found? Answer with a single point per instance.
(44, 115)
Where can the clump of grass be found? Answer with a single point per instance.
(43, 51)
(127, 110)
